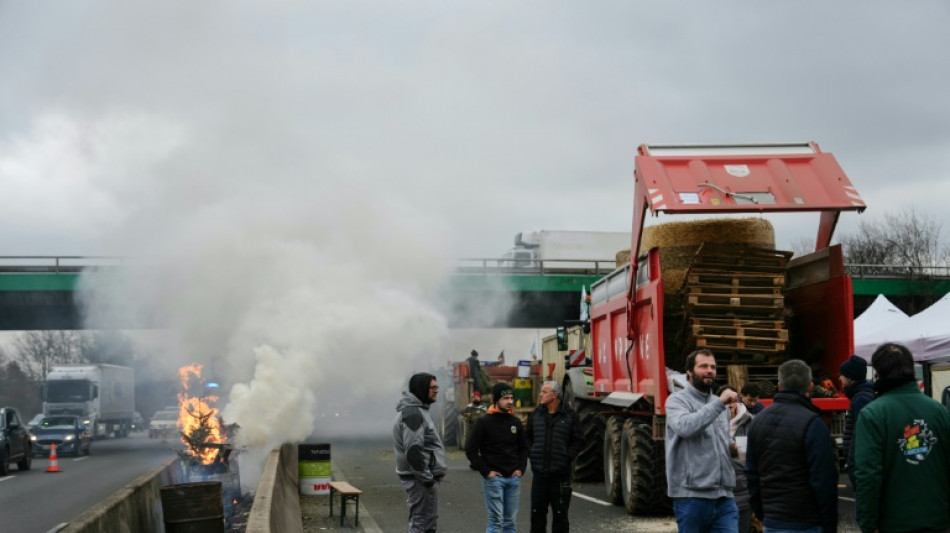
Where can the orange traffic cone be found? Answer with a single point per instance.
(53, 460)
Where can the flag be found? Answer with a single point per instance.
(534, 349)
(585, 309)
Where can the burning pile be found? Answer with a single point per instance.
(204, 437)
(207, 455)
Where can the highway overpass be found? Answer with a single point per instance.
(45, 294)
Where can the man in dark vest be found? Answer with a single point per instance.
(790, 460)
(554, 440)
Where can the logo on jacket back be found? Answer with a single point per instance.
(514, 430)
(917, 442)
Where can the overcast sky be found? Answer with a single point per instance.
(490, 117)
(320, 159)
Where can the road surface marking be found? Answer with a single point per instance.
(845, 498)
(81, 458)
(6, 478)
(592, 499)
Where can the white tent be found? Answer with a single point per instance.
(926, 334)
(880, 315)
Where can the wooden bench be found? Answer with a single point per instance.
(348, 493)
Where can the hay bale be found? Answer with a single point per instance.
(623, 257)
(750, 231)
(678, 242)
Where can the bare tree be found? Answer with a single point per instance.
(37, 351)
(802, 246)
(905, 242)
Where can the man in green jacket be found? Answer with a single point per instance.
(902, 452)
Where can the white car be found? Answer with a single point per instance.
(163, 424)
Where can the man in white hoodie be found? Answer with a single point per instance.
(420, 454)
(699, 470)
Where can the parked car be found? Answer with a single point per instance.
(164, 424)
(67, 432)
(15, 445)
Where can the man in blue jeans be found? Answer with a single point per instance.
(498, 449)
(699, 470)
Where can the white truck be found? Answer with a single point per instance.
(566, 250)
(104, 395)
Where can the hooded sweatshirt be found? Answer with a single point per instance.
(420, 454)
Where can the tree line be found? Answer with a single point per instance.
(25, 364)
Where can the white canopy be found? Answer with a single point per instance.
(926, 334)
(881, 315)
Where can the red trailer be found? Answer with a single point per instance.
(621, 396)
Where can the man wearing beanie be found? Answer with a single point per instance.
(857, 388)
(498, 449)
(420, 455)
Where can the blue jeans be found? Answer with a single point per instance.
(501, 499)
(703, 515)
(816, 529)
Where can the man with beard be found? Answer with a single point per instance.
(420, 455)
(699, 469)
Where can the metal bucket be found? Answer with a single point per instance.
(193, 508)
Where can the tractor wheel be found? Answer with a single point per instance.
(590, 462)
(449, 424)
(464, 430)
(643, 476)
(613, 435)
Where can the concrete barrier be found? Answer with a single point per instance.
(276, 506)
(134, 508)
(137, 507)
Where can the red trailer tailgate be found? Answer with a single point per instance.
(743, 178)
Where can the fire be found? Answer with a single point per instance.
(197, 419)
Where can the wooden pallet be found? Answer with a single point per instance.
(740, 330)
(741, 256)
(732, 311)
(707, 276)
(757, 345)
(731, 290)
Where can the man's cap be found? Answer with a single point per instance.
(855, 368)
(501, 389)
(474, 353)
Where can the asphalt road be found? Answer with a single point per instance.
(38, 501)
(369, 465)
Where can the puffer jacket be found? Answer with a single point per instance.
(698, 461)
(420, 453)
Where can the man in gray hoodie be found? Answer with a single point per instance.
(699, 469)
(420, 455)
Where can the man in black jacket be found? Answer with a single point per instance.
(498, 450)
(555, 439)
(790, 460)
